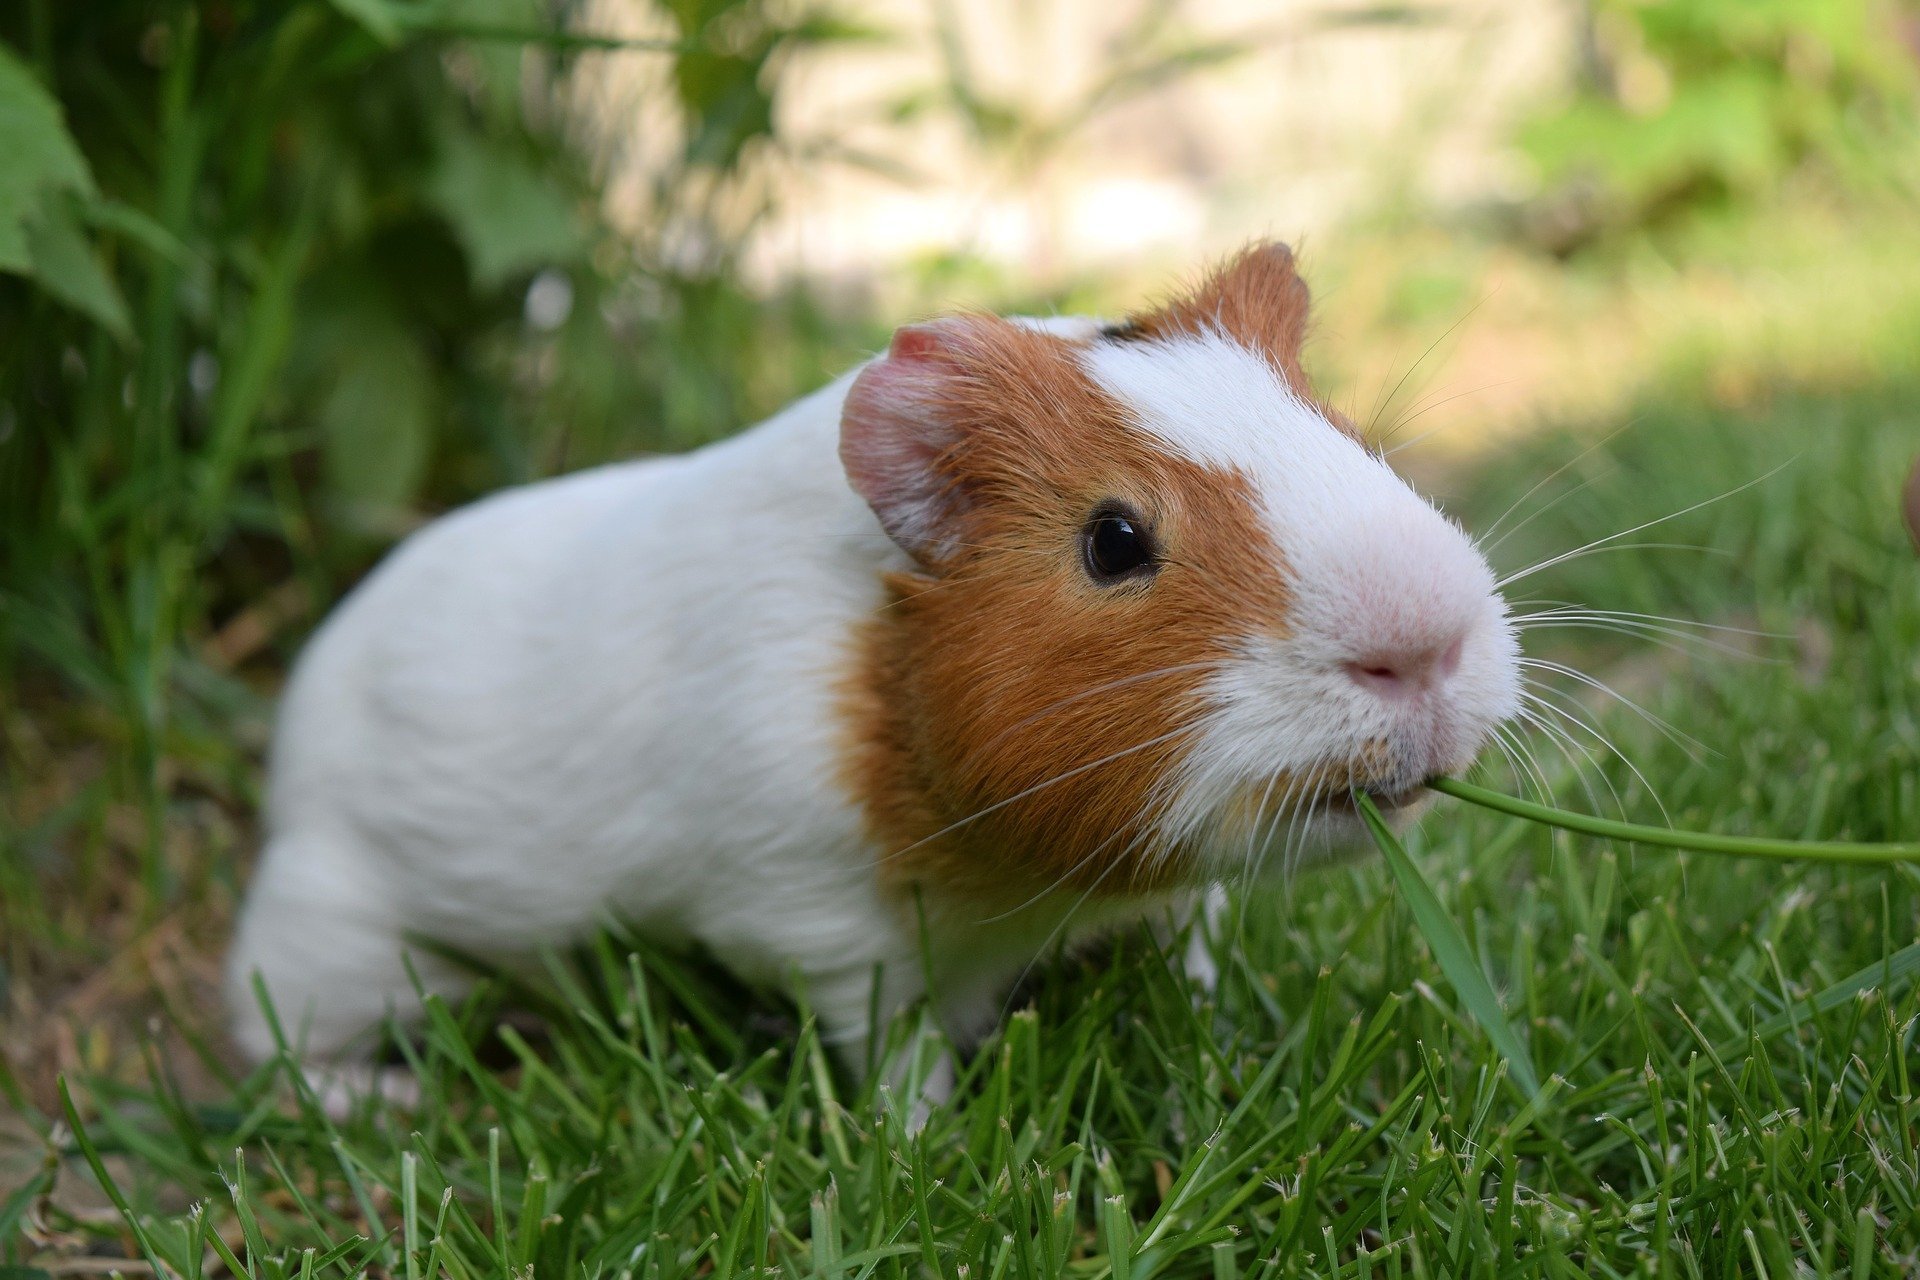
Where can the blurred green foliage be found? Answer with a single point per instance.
(279, 276)
(1693, 106)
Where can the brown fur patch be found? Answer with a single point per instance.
(1258, 299)
(1006, 672)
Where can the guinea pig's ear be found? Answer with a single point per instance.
(1257, 298)
(898, 432)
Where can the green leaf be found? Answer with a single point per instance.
(1450, 949)
(380, 19)
(131, 224)
(509, 216)
(63, 262)
(377, 419)
(499, 60)
(43, 173)
(41, 157)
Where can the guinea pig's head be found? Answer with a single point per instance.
(1166, 610)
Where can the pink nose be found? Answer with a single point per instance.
(1401, 673)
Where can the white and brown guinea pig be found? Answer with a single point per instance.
(1022, 630)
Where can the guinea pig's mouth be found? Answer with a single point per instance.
(1385, 800)
(1332, 796)
(1300, 830)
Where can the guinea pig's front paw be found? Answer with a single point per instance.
(343, 1087)
(1190, 929)
(936, 1090)
(922, 1075)
(1202, 970)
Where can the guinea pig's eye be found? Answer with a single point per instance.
(1116, 546)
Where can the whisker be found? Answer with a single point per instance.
(1564, 556)
(1488, 548)
(1513, 761)
(1412, 369)
(1581, 553)
(1694, 647)
(1291, 810)
(1047, 943)
(944, 585)
(1038, 787)
(1548, 479)
(1421, 410)
(1582, 723)
(1380, 396)
(1675, 735)
(1649, 626)
(1564, 608)
(1298, 818)
(1256, 848)
(1299, 822)
(1575, 755)
(1543, 789)
(1297, 845)
(1121, 683)
(1063, 878)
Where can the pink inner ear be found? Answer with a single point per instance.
(916, 342)
(895, 430)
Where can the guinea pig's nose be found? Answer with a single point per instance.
(1404, 671)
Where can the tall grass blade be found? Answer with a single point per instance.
(1896, 968)
(1666, 838)
(1450, 949)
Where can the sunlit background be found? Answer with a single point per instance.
(431, 248)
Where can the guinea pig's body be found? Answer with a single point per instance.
(997, 641)
(610, 696)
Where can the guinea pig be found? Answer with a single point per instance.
(1021, 631)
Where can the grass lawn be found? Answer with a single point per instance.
(1328, 1111)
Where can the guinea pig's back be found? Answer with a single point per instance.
(586, 690)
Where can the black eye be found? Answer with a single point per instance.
(1116, 547)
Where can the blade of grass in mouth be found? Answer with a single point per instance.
(1450, 949)
(1700, 842)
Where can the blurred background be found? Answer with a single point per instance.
(280, 279)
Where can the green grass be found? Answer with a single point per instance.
(278, 322)
(1330, 1110)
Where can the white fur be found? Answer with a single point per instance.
(611, 696)
(1372, 567)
